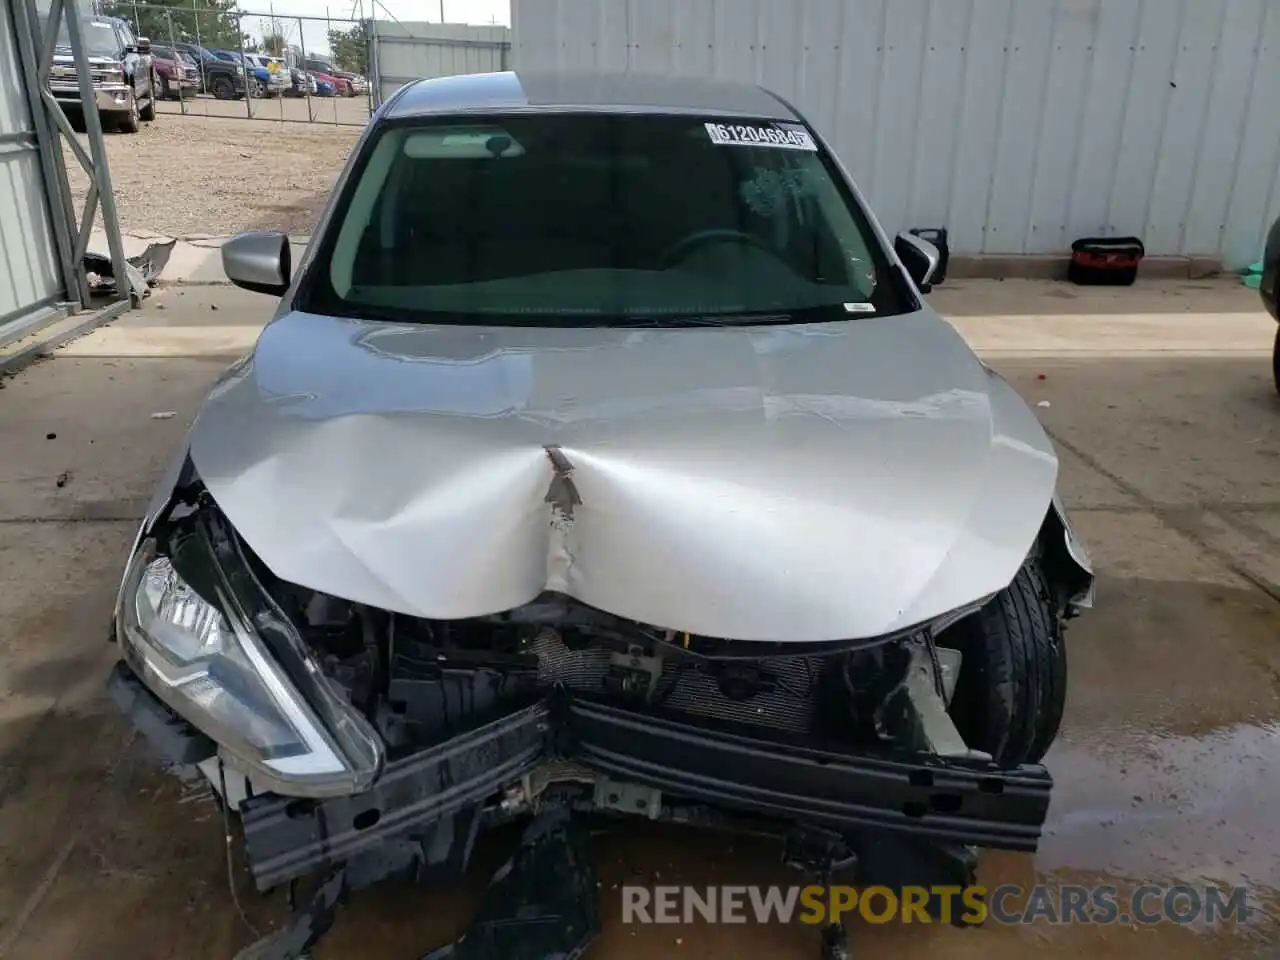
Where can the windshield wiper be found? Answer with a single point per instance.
(713, 320)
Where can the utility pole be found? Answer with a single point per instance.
(442, 11)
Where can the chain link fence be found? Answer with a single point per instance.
(216, 62)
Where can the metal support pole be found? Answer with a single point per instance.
(50, 37)
(375, 69)
(101, 172)
(302, 45)
(204, 76)
(366, 30)
(328, 31)
(173, 45)
(244, 65)
(61, 208)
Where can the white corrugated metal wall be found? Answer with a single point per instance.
(30, 275)
(407, 51)
(1018, 124)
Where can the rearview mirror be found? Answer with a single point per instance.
(258, 261)
(1270, 287)
(920, 257)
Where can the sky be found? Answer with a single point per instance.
(312, 35)
(455, 11)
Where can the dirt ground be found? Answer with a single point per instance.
(1167, 769)
(198, 175)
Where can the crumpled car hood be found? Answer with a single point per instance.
(789, 483)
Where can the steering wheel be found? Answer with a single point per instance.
(681, 248)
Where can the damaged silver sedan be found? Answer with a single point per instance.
(602, 458)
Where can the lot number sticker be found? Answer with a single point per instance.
(760, 135)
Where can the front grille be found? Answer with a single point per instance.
(780, 693)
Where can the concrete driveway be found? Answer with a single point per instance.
(1168, 767)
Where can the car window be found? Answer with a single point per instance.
(99, 36)
(603, 218)
(126, 34)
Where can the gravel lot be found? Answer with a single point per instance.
(196, 176)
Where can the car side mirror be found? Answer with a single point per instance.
(144, 45)
(258, 261)
(920, 257)
(1270, 286)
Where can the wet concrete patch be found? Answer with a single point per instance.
(145, 878)
(1170, 750)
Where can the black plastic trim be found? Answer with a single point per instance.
(287, 837)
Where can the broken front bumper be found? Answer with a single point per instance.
(439, 796)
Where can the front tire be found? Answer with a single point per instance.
(1012, 687)
(129, 122)
(1275, 362)
(166, 93)
(148, 113)
(223, 88)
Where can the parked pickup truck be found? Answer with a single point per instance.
(270, 75)
(324, 70)
(176, 73)
(223, 78)
(121, 68)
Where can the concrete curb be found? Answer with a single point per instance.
(996, 266)
(48, 338)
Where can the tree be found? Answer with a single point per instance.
(274, 43)
(350, 48)
(213, 23)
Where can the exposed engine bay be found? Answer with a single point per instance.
(418, 680)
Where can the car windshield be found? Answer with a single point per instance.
(599, 220)
(99, 37)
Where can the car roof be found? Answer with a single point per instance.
(597, 92)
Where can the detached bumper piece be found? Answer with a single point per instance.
(542, 904)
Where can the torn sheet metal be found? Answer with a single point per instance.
(142, 270)
(808, 482)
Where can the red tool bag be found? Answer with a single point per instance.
(1105, 261)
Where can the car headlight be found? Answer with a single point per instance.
(203, 650)
(240, 70)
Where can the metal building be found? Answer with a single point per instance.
(1019, 125)
(41, 242)
(408, 51)
(31, 273)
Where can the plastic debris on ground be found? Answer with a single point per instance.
(143, 270)
(541, 904)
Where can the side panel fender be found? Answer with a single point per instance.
(1066, 561)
